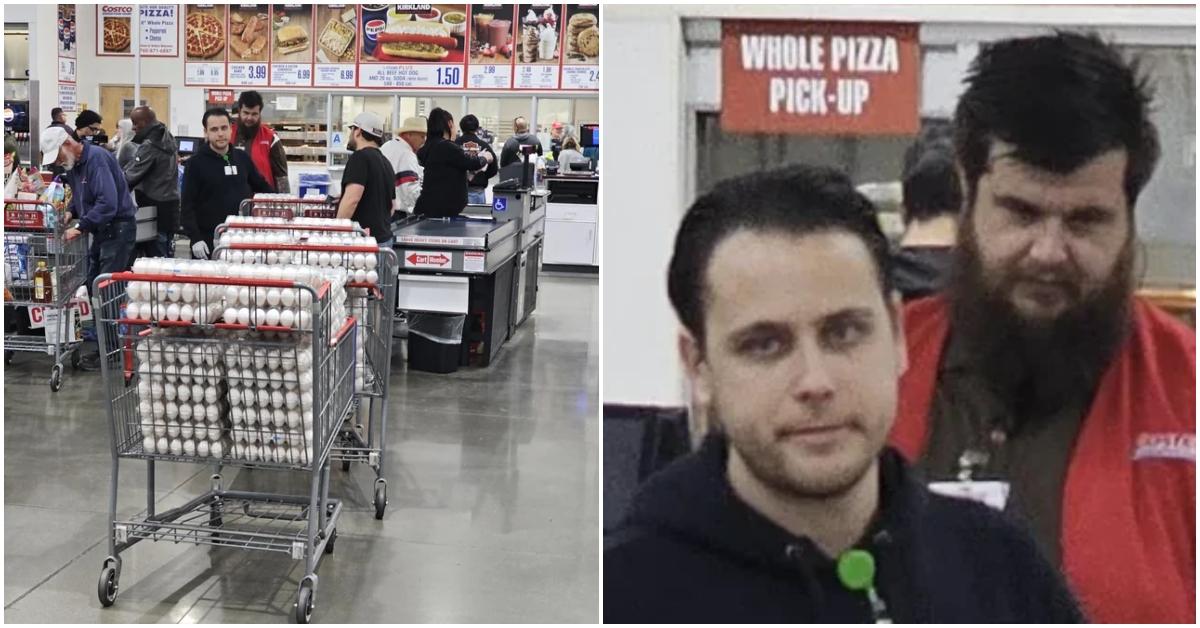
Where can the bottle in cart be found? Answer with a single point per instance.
(43, 283)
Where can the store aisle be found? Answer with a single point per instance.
(493, 515)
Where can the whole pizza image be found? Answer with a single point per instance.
(301, 313)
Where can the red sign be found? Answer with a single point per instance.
(220, 96)
(433, 259)
(820, 78)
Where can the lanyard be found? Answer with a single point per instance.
(856, 571)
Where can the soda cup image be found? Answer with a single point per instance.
(374, 20)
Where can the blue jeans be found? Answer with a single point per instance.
(112, 247)
(477, 197)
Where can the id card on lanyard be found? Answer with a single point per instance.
(230, 169)
(993, 493)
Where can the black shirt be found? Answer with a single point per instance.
(920, 271)
(691, 551)
(480, 179)
(210, 195)
(444, 190)
(370, 169)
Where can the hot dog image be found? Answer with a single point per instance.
(415, 40)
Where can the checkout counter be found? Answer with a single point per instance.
(483, 264)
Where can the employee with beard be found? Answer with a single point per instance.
(260, 141)
(478, 182)
(101, 200)
(368, 183)
(794, 510)
(1040, 371)
(447, 166)
(217, 178)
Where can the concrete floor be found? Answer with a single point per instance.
(492, 481)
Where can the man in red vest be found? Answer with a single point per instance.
(1038, 382)
(260, 142)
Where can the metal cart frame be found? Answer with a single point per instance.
(289, 208)
(67, 260)
(301, 526)
(373, 309)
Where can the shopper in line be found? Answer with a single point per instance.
(1039, 369)
(260, 141)
(510, 153)
(470, 140)
(932, 201)
(793, 510)
(58, 118)
(122, 144)
(88, 129)
(368, 183)
(401, 153)
(12, 158)
(216, 179)
(569, 154)
(556, 139)
(100, 199)
(154, 174)
(447, 166)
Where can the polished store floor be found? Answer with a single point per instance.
(492, 481)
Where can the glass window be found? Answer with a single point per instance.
(345, 108)
(496, 115)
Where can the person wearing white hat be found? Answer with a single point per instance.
(101, 200)
(368, 183)
(401, 152)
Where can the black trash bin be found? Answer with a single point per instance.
(434, 341)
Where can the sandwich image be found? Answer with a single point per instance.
(416, 40)
(291, 38)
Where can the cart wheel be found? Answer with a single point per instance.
(304, 604)
(345, 465)
(332, 540)
(75, 360)
(8, 356)
(56, 374)
(380, 500)
(107, 587)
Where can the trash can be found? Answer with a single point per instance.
(434, 341)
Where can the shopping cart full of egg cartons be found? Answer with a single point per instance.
(371, 273)
(288, 206)
(196, 371)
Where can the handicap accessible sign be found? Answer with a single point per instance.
(500, 204)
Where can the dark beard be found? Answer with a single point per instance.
(247, 133)
(1039, 366)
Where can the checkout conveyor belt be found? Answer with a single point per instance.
(454, 244)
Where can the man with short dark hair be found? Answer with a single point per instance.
(154, 174)
(510, 153)
(793, 510)
(58, 118)
(88, 129)
(217, 178)
(932, 200)
(100, 199)
(260, 141)
(368, 183)
(477, 184)
(1039, 372)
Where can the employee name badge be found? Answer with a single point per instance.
(230, 170)
(992, 493)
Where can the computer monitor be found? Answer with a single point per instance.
(589, 135)
(188, 145)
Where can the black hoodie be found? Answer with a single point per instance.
(209, 195)
(692, 552)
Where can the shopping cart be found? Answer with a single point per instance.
(298, 407)
(234, 226)
(30, 240)
(285, 206)
(371, 304)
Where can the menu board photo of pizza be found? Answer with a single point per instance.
(414, 33)
(114, 24)
(204, 32)
(204, 44)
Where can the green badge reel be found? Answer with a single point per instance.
(856, 571)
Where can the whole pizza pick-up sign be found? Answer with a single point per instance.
(819, 78)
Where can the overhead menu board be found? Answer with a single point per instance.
(542, 47)
(159, 30)
(337, 29)
(204, 34)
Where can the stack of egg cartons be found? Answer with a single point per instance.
(182, 396)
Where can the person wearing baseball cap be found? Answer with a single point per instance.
(368, 183)
(101, 199)
(401, 152)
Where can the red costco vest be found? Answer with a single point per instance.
(1129, 508)
(260, 152)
